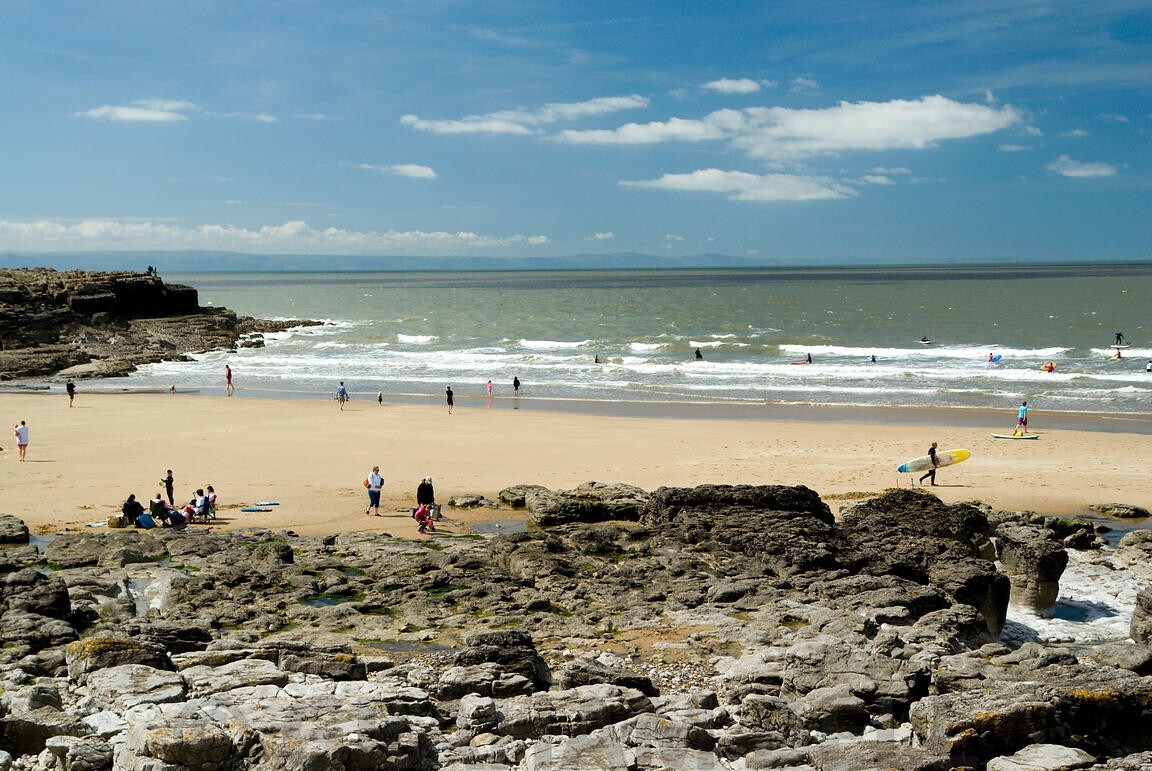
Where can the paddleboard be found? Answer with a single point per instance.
(267, 503)
(1014, 436)
(1122, 345)
(799, 362)
(995, 358)
(254, 508)
(943, 458)
(924, 342)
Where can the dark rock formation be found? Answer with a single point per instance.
(103, 324)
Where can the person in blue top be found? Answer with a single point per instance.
(1021, 420)
(341, 395)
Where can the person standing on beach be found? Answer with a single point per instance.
(169, 488)
(375, 484)
(932, 471)
(20, 431)
(229, 389)
(516, 386)
(1021, 420)
(380, 398)
(341, 395)
(449, 396)
(70, 387)
(489, 387)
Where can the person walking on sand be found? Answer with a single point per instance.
(70, 387)
(229, 389)
(341, 395)
(169, 488)
(489, 387)
(380, 398)
(450, 397)
(1021, 420)
(375, 484)
(516, 386)
(20, 431)
(935, 463)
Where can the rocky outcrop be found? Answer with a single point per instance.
(102, 324)
(726, 627)
(1120, 510)
(589, 502)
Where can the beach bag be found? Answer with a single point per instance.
(366, 483)
(117, 520)
(145, 521)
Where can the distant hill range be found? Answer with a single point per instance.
(214, 262)
(194, 262)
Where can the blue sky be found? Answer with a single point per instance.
(774, 130)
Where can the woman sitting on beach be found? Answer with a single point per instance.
(159, 507)
(132, 509)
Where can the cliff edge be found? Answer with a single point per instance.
(106, 323)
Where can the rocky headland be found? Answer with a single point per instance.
(104, 324)
(716, 627)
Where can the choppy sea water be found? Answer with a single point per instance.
(414, 333)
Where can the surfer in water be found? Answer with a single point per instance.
(932, 471)
(1119, 338)
(699, 355)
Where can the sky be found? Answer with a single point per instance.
(777, 131)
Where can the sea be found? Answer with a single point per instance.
(915, 336)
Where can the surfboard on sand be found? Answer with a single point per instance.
(1015, 436)
(943, 458)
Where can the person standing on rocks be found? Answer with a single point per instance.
(70, 387)
(229, 389)
(375, 484)
(20, 431)
(169, 488)
(935, 462)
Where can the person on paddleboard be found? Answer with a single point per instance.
(1119, 338)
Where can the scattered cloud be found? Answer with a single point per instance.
(1066, 167)
(411, 170)
(780, 133)
(803, 85)
(733, 86)
(673, 237)
(259, 117)
(886, 170)
(600, 236)
(525, 121)
(1113, 117)
(1014, 148)
(142, 110)
(289, 238)
(742, 186)
(1075, 134)
(876, 179)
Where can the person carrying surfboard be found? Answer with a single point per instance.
(931, 474)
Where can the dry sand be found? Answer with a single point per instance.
(312, 458)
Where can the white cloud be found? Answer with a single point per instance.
(1066, 167)
(779, 133)
(799, 85)
(259, 117)
(1014, 148)
(412, 170)
(143, 110)
(742, 186)
(524, 121)
(673, 237)
(733, 86)
(600, 236)
(890, 170)
(717, 125)
(1075, 134)
(289, 238)
(875, 179)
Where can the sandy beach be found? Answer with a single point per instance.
(84, 461)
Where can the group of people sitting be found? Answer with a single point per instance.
(160, 513)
